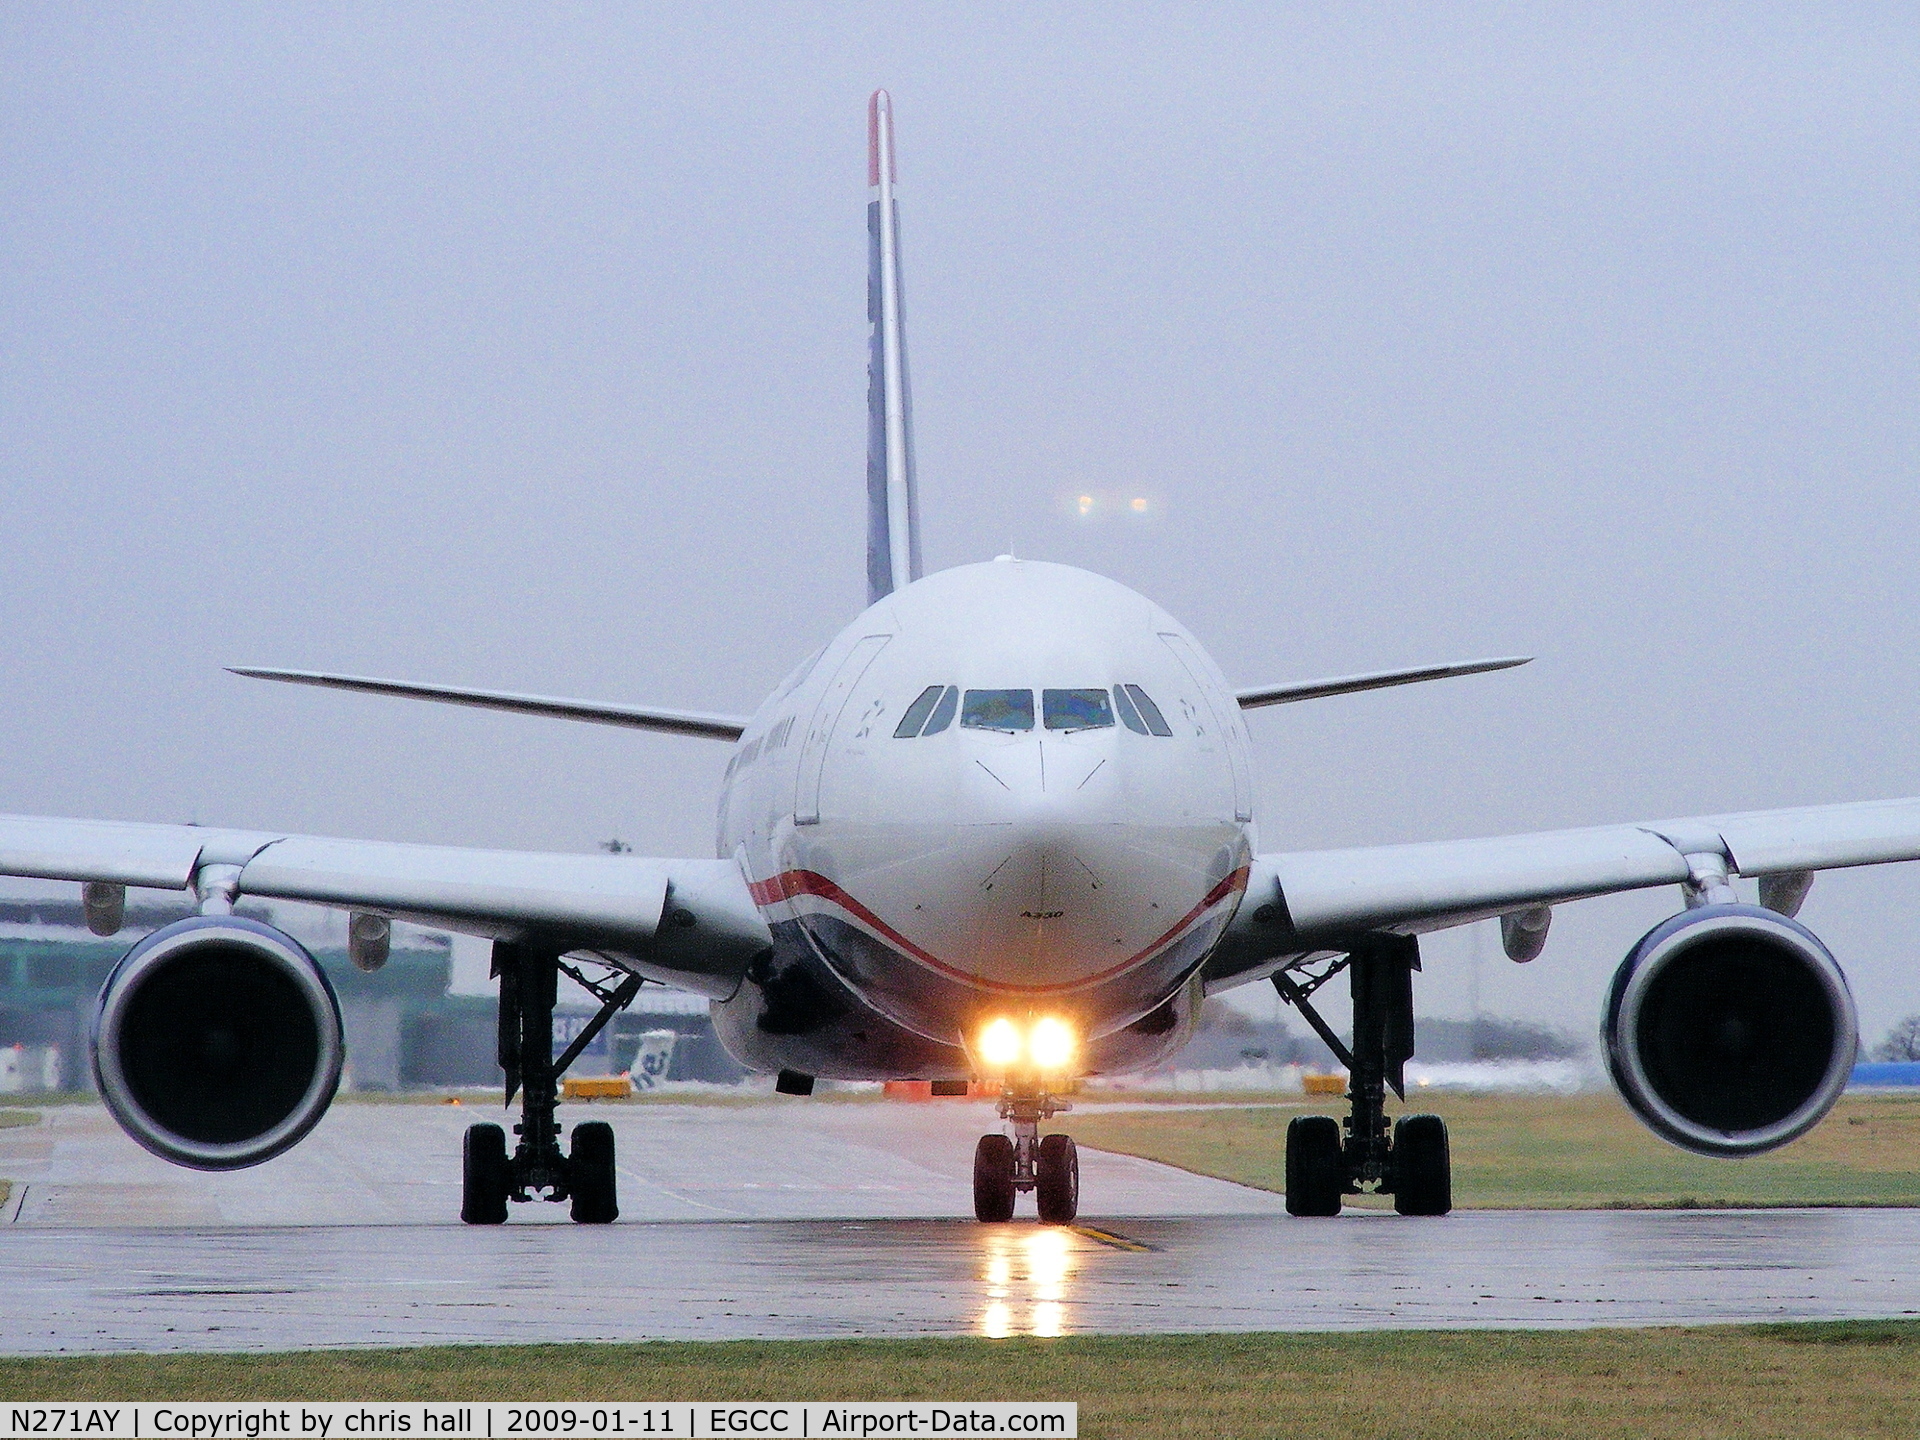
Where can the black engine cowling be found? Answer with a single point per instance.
(1730, 1030)
(217, 1042)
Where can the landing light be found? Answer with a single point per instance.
(1047, 1045)
(1000, 1044)
(1051, 1044)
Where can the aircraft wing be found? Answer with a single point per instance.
(1305, 901)
(688, 923)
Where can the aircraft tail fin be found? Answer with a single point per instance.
(893, 508)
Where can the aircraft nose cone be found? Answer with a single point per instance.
(1059, 903)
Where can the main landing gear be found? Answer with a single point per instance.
(1325, 1161)
(1049, 1166)
(529, 977)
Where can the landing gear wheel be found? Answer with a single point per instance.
(1316, 1168)
(993, 1179)
(1422, 1166)
(1057, 1180)
(590, 1174)
(484, 1175)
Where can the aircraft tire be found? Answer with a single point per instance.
(1422, 1166)
(993, 1179)
(591, 1176)
(1057, 1180)
(1316, 1169)
(483, 1175)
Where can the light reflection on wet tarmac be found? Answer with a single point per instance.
(293, 1287)
(355, 1244)
(1025, 1275)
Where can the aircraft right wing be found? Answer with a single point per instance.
(1310, 901)
(684, 922)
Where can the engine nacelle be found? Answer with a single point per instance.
(217, 1042)
(1730, 1030)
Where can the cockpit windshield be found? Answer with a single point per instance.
(1010, 710)
(1076, 709)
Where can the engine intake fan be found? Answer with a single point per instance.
(1730, 1030)
(217, 1042)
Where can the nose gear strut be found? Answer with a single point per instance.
(1324, 1162)
(1049, 1166)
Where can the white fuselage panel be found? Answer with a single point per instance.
(1051, 860)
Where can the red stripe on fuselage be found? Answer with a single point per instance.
(791, 884)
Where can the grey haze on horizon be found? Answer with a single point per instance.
(525, 348)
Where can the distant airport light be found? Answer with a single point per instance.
(1000, 1044)
(1051, 1044)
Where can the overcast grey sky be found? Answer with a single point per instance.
(524, 347)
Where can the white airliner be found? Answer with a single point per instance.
(997, 830)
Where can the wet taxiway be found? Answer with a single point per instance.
(795, 1219)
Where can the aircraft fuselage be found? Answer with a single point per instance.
(1063, 829)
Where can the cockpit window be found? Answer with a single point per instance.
(1138, 712)
(997, 710)
(917, 712)
(935, 700)
(943, 712)
(1076, 710)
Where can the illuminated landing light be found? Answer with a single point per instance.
(1000, 1043)
(1051, 1044)
(1049, 1318)
(1140, 505)
(1086, 504)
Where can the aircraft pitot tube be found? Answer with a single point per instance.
(217, 1042)
(1730, 1030)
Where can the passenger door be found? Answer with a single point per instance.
(826, 715)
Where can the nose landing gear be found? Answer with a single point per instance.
(1004, 1167)
(1326, 1161)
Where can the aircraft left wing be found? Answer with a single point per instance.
(1308, 901)
(687, 923)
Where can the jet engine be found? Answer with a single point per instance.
(217, 1042)
(1730, 1029)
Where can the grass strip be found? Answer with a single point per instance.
(1859, 1379)
(12, 1119)
(1554, 1152)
